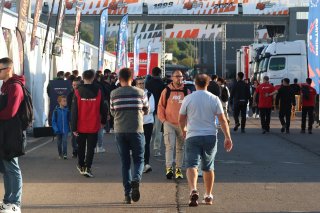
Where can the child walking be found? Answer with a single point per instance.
(60, 125)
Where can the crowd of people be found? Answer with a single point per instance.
(144, 113)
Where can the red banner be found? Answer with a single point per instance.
(36, 18)
(154, 62)
(23, 18)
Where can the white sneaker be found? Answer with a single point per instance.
(254, 115)
(111, 131)
(257, 116)
(147, 168)
(100, 150)
(10, 208)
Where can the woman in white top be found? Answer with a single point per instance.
(148, 121)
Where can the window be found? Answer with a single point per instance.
(277, 64)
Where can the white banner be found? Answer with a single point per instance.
(195, 7)
(266, 7)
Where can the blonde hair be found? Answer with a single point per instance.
(60, 98)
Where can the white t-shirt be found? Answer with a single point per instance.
(201, 108)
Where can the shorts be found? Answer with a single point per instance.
(201, 148)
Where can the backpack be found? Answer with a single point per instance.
(25, 111)
(168, 92)
(224, 95)
(305, 92)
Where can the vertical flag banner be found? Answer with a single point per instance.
(136, 57)
(148, 57)
(122, 54)
(102, 38)
(1, 9)
(57, 44)
(76, 38)
(37, 13)
(313, 43)
(48, 27)
(23, 17)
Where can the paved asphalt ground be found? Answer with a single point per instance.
(264, 173)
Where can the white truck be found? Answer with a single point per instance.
(280, 60)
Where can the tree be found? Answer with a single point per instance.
(189, 61)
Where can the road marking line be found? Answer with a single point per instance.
(39, 146)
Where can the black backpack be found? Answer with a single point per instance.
(168, 92)
(25, 111)
(224, 94)
(305, 92)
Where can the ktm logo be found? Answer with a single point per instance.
(190, 5)
(264, 5)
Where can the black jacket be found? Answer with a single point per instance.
(155, 85)
(88, 91)
(214, 88)
(286, 98)
(240, 93)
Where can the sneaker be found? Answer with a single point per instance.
(257, 116)
(147, 168)
(157, 153)
(100, 150)
(207, 199)
(169, 173)
(254, 115)
(310, 132)
(283, 129)
(81, 169)
(135, 191)
(179, 174)
(194, 196)
(127, 199)
(302, 131)
(287, 131)
(65, 157)
(60, 157)
(88, 173)
(236, 127)
(10, 208)
(264, 131)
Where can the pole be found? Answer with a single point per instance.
(215, 55)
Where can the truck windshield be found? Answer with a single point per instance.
(277, 64)
(265, 64)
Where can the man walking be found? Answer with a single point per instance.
(168, 113)
(201, 136)
(155, 85)
(239, 97)
(128, 105)
(265, 91)
(87, 116)
(11, 134)
(308, 98)
(286, 98)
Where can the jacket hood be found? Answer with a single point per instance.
(13, 79)
(175, 88)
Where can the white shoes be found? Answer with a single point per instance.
(100, 149)
(147, 168)
(9, 208)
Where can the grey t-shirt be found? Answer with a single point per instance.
(201, 108)
(127, 106)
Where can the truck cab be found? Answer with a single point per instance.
(284, 60)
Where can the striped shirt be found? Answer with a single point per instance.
(127, 106)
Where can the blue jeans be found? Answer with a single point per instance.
(136, 143)
(100, 138)
(12, 180)
(62, 144)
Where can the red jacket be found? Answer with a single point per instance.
(15, 96)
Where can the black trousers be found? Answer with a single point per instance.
(307, 111)
(147, 128)
(265, 116)
(86, 144)
(284, 116)
(240, 107)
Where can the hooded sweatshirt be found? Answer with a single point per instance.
(168, 110)
(14, 94)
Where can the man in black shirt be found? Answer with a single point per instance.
(286, 98)
(295, 87)
(213, 87)
(239, 97)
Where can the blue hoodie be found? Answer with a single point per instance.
(61, 120)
